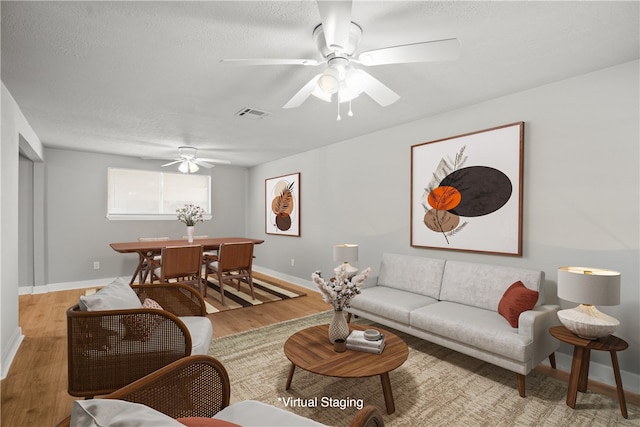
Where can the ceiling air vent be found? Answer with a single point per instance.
(252, 113)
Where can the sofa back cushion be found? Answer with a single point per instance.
(415, 274)
(483, 285)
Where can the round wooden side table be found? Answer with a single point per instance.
(580, 365)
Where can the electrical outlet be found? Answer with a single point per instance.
(96, 265)
(293, 262)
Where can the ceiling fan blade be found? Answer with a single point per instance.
(172, 163)
(378, 91)
(336, 20)
(205, 162)
(437, 50)
(303, 93)
(267, 61)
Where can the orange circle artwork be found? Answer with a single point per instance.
(444, 198)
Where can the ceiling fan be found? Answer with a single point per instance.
(337, 39)
(189, 163)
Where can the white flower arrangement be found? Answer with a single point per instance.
(339, 291)
(190, 214)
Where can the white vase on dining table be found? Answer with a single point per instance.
(190, 229)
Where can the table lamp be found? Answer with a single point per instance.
(588, 286)
(346, 253)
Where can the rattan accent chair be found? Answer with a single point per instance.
(102, 357)
(198, 386)
(234, 262)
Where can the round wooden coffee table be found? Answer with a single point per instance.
(311, 350)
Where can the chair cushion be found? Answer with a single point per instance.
(201, 332)
(206, 422)
(117, 295)
(516, 299)
(251, 413)
(111, 412)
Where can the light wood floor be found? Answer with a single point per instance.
(34, 393)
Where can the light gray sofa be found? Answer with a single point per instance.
(455, 304)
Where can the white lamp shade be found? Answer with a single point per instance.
(585, 285)
(345, 252)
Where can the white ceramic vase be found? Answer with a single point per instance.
(338, 328)
(190, 229)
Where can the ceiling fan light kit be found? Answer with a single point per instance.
(337, 39)
(190, 163)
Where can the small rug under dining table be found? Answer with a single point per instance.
(266, 289)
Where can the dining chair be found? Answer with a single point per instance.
(144, 266)
(181, 264)
(205, 254)
(234, 262)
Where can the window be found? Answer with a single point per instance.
(143, 194)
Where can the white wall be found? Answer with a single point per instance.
(581, 191)
(17, 136)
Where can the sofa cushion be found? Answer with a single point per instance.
(415, 274)
(482, 285)
(391, 303)
(483, 329)
(117, 295)
(516, 299)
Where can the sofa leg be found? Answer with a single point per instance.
(552, 360)
(348, 317)
(520, 379)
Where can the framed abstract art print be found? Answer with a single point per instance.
(466, 192)
(282, 205)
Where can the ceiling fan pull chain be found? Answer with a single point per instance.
(350, 113)
(338, 118)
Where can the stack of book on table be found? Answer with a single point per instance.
(357, 341)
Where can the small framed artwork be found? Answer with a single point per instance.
(466, 192)
(282, 205)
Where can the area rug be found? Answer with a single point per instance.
(434, 387)
(266, 289)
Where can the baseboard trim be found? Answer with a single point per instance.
(10, 352)
(65, 286)
(291, 279)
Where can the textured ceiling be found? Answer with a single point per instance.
(142, 78)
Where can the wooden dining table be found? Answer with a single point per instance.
(148, 249)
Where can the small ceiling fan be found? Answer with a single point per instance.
(189, 163)
(337, 39)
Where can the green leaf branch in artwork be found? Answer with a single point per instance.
(437, 200)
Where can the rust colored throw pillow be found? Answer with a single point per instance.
(140, 326)
(516, 299)
(205, 422)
